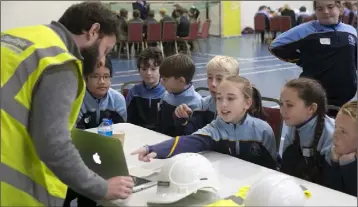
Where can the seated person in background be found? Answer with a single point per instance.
(123, 28)
(183, 25)
(342, 174)
(165, 16)
(302, 14)
(347, 8)
(175, 13)
(143, 98)
(188, 121)
(136, 17)
(100, 100)
(234, 132)
(194, 14)
(150, 20)
(177, 72)
(287, 11)
(263, 11)
(308, 140)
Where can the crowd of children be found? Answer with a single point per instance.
(231, 120)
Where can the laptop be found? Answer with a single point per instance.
(104, 155)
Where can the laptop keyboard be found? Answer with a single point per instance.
(139, 181)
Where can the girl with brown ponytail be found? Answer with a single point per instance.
(308, 141)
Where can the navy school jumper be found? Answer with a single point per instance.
(251, 140)
(168, 105)
(326, 53)
(111, 106)
(199, 118)
(142, 105)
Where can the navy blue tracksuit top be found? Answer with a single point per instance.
(327, 54)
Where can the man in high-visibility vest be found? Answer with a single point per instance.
(42, 88)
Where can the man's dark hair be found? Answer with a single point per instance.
(136, 14)
(147, 54)
(79, 18)
(177, 66)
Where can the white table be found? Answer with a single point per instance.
(233, 173)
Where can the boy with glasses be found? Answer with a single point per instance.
(100, 100)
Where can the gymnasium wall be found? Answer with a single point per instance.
(249, 9)
(24, 13)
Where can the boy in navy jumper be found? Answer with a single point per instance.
(234, 132)
(143, 98)
(177, 72)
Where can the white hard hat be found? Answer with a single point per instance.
(183, 175)
(275, 190)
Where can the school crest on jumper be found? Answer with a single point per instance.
(351, 40)
(255, 149)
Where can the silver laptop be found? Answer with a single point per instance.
(104, 155)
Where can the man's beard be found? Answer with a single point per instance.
(90, 58)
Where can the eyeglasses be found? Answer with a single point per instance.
(98, 78)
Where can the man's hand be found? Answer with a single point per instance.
(119, 187)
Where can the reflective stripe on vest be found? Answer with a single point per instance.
(21, 114)
(25, 184)
(12, 87)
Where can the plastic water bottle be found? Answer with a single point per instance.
(105, 128)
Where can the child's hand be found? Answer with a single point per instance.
(347, 157)
(143, 154)
(335, 155)
(183, 111)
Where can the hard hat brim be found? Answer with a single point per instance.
(167, 198)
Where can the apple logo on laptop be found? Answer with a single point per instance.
(96, 158)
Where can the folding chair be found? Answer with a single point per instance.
(154, 35)
(193, 35)
(285, 23)
(170, 34)
(135, 36)
(259, 25)
(274, 119)
(125, 89)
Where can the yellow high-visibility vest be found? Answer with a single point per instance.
(25, 54)
(237, 200)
